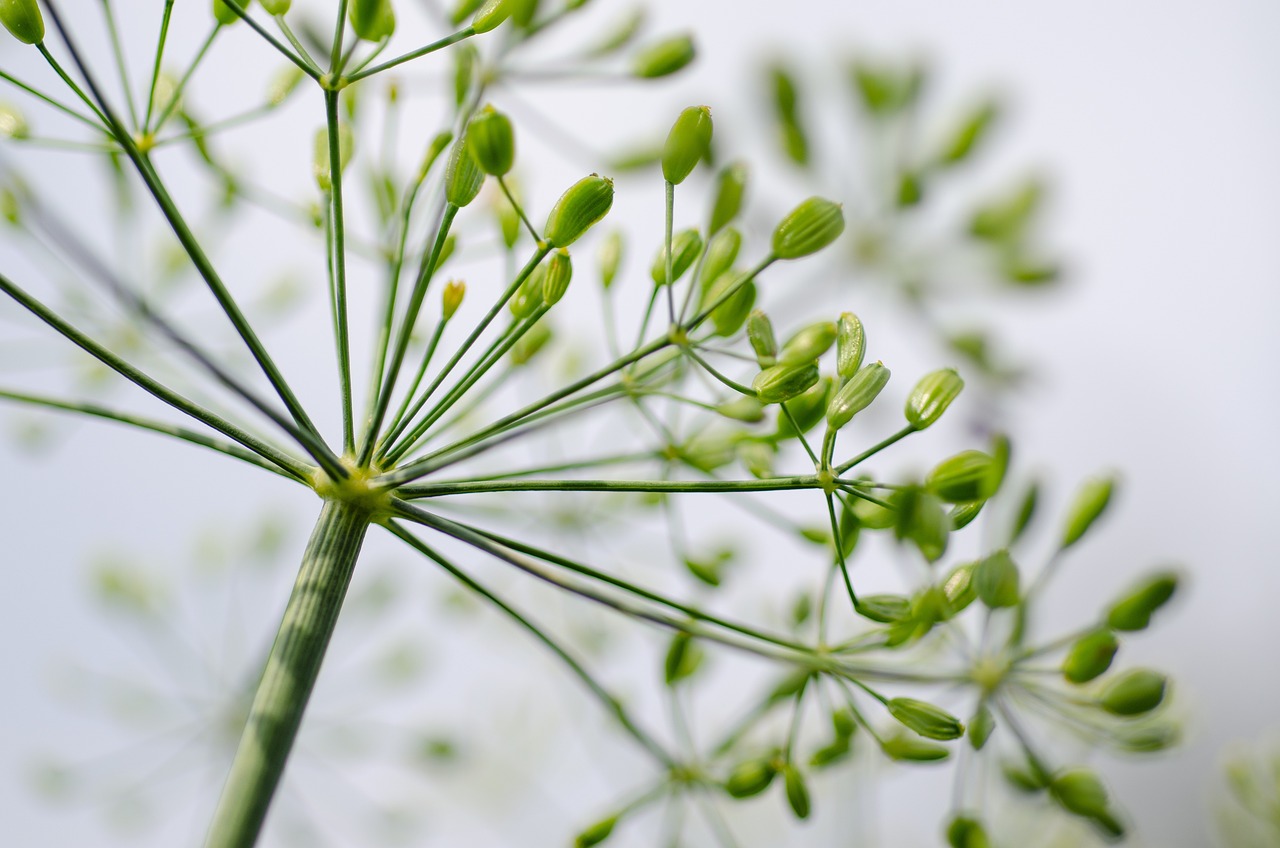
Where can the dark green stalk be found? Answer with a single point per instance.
(338, 278)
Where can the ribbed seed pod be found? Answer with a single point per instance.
(811, 226)
(586, 202)
(925, 719)
(760, 334)
(493, 141)
(610, 258)
(731, 185)
(931, 397)
(783, 382)
(721, 254)
(559, 273)
(372, 20)
(857, 394)
(462, 175)
(23, 20)
(687, 143)
(686, 246)
(808, 343)
(851, 345)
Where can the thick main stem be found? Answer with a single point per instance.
(289, 675)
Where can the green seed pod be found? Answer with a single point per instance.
(1133, 611)
(996, 579)
(1090, 502)
(757, 457)
(493, 141)
(922, 519)
(528, 296)
(721, 253)
(795, 142)
(731, 184)
(1028, 780)
(320, 158)
(523, 12)
(1005, 219)
(886, 609)
(910, 189)
(808, 344)
(807, 410)
(857, 394)
(1135, 692)
(684, 657)
(962, 515)
(686, 246)
(1148, 739)
(23, 20)
(959, 588)
(284, 83)
(931, 397)
(462, 175)
(925, 719)
(971, 129)
(797, 791)
(851, 345)
(745, 409)
(609, 258)
(13, 124)
(438, 145)
(831, 754)
(906, 748)
(596, 834)
(276, 8)
(586, 202)
(451, 299)
(967, 832)
(465, 59)
(559, 273)
(760, 334)
(664, 57)
(222, 13)
(1090, 656)
(810, 227)
(688, 141)
(783, 382)
(981, 726)
(1026, 511)
(729, 316)
(372, 20)
(750, 778)
(530, 344)
(1079, 791)
(491, 15)
(968, 476)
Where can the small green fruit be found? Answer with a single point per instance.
(810, 227)
(687, 143)
(586, 202)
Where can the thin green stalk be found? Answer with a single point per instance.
(339, 277)
(730, 292)
(413, 54)
(66, 78)
(774, 484)
(339, 35)
(306, 57)
(289, 675)
(57, 104)
(575, 465)
(670, 283)
(506, 191)
(839, 543)
(176, 98)
(875, 449)
(122, 67)
(155, 68)
(398, 420)
(307, 64)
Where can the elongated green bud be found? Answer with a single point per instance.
(13, 124)
(284, 83)
(523, 12)
(596, 834)
(968, 476)
(320, 159)
(1090, 656)
(996, 579)
(925, 719)
(610, 258)
(744, 408)
(760, 334)
(729, 316)
(529, 296)
(493, 141)
(683, 659)
(750, 778)
(808, 344)
(462, 175)
(664, 57)
(222, 12)
(931, 397)
(451, 298)
(1135, 692)
(886, 609)
(23, 20)
(559, 273)
(586, 202)
(962, 515)
(687, 143)
(981, 726)
(530, 344)
(967, 832)
(439, 144)
(686, 246)
(964, 138)
(811, 226)
(731, 185)
(491, 15)
(1133, 611)
(959, 588)
(1079, 791)
(372, 20)
(797, 792)
(276, 7)
(783, 382)
(857, 394)
(851, 345)
(910, 749)
(1089, 504)
(721, 253)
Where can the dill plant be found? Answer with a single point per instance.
(721, 405)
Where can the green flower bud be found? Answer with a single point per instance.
(968, 133)
(446, 250)
(596, 834)
(729, 316)
(996, 579)
(1090, 656)
(962, 515)
(931, 397)
(320, 157)
(1028, 780)
(688, 141)
(746, 409)
(760, 334)
(921, 519)
(438, 145)
(276, 7)
(857, 394)
(981, 726)
(806, 410)
(1079, 791)
(372, 20)
(530, 344)
(610, 258)
(222, 13)
(1135, 692)
(831, 754)
(523, 12)
(808, 344)
(23, 20)
(1133, 611)
(664, 57)
(13, 124)
(1026, 511)
(462, 9)
(491, 15)
(284, 83)
(462, 175)
(795, 142)
(750, 778)
(783, 382)
(910, 749)
(684, 657)
(968, 476)
(925, 719)
(967, 832)
(886, 609)
(731, 184)
(465, 59)
(559, 273)
(528, 296)
(851, 345)
(493, 141)
(959, 588)
(1090, 502)
(586, 202)
(811, 226)
(757, 457)
(686, 246)
(1006, 218)
(797, 791)
(451, 299)
(721, 253)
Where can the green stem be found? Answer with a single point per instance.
(289, 675)
(875, 449)
(338, 278)
(414, 54)
(775, 484)
(176, 97)
(117, 50)
(57, 104)
(155, 68)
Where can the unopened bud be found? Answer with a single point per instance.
(372, 20)
(851, 345)
(996, 579)
(931, 397)
(810, 227)
(222, 13)
(910, 749)
(968, 476)
(750, 778)
(804, 412)
(745, 409)
(721, 253)
(886, 609)
(493, 141)
(981, 726)
(664, 57)
(528, 296)
(23, 20)
(783, 382)
(491, 15)
(1089, 504)
(596, 834)
(276, 7)
(760, 334)
(586, 202)
(797, 792)
(808, 344)
(857, 394)
(687, 143)
(610, 258)
(559, 273)
(1079, 791)
(462, 175)
(320, 160)
(451, 299)
(731, 184)
(1133, 611)
(686, 246)
(729, 316)
(925, 719)
(967, 832)
(1135, 692)
(1090, 656)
